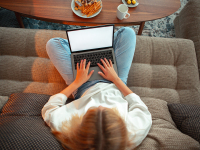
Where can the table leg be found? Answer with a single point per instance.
(19, 19)
(141, 28)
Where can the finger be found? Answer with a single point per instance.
(90, 74)
(101, 67)
(81, 64)
(104, 64)
(102, 74)
(88, 65)
(110, 63)
(84, 62)
(107, 62)
(77, 66)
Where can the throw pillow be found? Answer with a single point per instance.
(22, 126)
(187, 119)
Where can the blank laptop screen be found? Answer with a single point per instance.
(92, 38)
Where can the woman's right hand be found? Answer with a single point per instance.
(108, 71)
(82, 75)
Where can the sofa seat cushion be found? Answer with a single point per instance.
(187, 119)
(22, 126)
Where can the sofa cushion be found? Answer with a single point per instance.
(165, 69)
(187, 119)
(22, 126)
(164, 133)
(25, 66)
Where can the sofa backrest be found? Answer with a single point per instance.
(25, 66)
(164, 69)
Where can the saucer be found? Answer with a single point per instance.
(130, 5)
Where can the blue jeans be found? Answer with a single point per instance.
(124, 48)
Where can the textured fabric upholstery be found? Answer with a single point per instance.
(187, 25)
(164, 134)
(24, 63)
(3, 100)
(162, 68)
(163, 71)
(22, 126)
(187, 119)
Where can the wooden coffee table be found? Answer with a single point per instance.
(59, 11)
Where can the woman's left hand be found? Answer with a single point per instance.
(82, 73)
(108, 71)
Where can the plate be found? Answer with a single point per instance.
(80, 14)
(130, 5)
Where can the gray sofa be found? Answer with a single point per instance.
(164, 71)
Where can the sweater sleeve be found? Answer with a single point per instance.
(139, 119)
(56, 101)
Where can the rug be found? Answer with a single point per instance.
(163, 27)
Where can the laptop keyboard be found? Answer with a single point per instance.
(94, 57)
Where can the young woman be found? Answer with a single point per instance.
(106, 114)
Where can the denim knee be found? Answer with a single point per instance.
(128, 32)
(51, 43)
(56, 44)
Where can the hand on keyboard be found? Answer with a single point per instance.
(108, 70)
(94, 57)
(82, 73)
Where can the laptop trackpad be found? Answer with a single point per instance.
(95, 75)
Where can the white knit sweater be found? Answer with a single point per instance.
(135, 113)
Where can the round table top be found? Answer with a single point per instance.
(59, 11)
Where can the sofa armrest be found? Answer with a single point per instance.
(187, 25)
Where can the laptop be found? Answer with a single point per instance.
(92, 44)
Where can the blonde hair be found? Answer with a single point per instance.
(96, 130)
